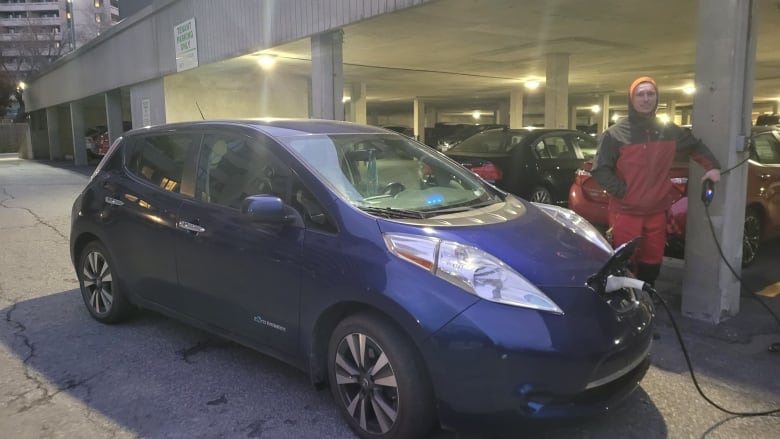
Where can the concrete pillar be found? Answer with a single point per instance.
(556, 95)
(357, 104)
(327, 72)
(114, 114)
(573, 117)
(774, 107)
(431, 116)
(419, 119)
(602, 123)
(516, 108)
(53, 125)
(502, 113)
(725, 58)
(77, 126)
(671, 109)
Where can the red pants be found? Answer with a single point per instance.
(652, 229)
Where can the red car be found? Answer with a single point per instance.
(762, 214)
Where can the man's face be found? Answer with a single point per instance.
(645, 98)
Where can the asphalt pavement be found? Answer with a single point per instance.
(63, 375)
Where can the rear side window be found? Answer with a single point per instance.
(554, 147)
(160, 159)
(586, 144)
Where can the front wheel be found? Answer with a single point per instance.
(99, 287)
(378, 381)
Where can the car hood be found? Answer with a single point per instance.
(531, 242)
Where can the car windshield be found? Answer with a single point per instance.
(391, 172)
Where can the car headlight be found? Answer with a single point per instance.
(471, 269)
(577, 224)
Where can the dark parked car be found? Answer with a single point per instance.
(762, 210)
(536, 164)
(420, 293)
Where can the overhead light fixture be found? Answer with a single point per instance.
(615, 117)
(345, 99)
(596, 109)
(532, 85)
(22, 85)
(689, 89)
(266, 61)
(664, 118)
(476, 114)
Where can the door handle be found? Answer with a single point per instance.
(184, 225)
(113, 201)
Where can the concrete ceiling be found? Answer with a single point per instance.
(460, 54)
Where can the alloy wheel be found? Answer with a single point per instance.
(98, 283)
(541, 195)
(367, 383)
(750, 238)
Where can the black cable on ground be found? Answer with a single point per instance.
(734, 272)
(690, 365)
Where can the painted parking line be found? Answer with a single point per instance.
(771, 291)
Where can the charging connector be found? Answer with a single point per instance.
(707, 191)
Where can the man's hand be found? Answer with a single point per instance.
(712, 174)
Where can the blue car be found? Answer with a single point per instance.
(422, 294)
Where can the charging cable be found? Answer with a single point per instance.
(615, 283)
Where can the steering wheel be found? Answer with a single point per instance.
(393, 189)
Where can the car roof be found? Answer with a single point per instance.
(272, 127)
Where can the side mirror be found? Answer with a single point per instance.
(266, 209)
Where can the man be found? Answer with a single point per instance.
(632, 163)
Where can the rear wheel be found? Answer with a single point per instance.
(378, 381)
(751, 237)
(99, 287)
(541, 195)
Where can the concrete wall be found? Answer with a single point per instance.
(15, 137)
(251, 97)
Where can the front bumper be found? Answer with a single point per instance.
(497, 367)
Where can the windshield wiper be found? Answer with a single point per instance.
(389, 212)
(461, 208)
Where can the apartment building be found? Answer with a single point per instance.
(33, 33)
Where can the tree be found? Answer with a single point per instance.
(25, 51)
(7, 86)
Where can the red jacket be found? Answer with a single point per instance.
(633, 163)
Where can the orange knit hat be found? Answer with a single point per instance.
(638, 81)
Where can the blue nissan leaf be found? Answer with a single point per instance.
(420, 293)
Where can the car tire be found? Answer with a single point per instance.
(100, 288)
(751, 236)
(540, 194)
(393, 401)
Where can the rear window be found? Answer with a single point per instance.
(767, 148)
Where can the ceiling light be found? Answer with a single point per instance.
(689, 89)
(345, 99)
(596, 109)
(266, 61)
(476, 114)
(615, 117)
(532, 85)
(664, 118)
